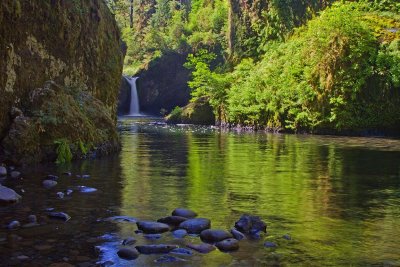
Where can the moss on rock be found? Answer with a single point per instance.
(197, 112)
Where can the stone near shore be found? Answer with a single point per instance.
(128, 253)
(180, 233)
(213, 236)
(237, 234)
(248, 224)
(172, 220)
(152, 227)
(195, 226)
(186, 213)
(156, 249)
(14, 225)
(7, 195)
(59, 215)
(49, 184)
(228, 245)
(202, 248)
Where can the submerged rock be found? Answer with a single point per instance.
(195, 226)
(14, 225)
(49, 184)
(237, 234)
(85, 189)
(202, 248)
(167, 258)
(186, 213)
(32, 218)
(228, 245)
(172, 220)
(180, 233)
(269, 244)
(152, 227)
(287, 237)
(121, 219)
(182, 251)
(213, 236)
(152, 236)
(155, 249)
(59, 215)
(128, 253)
(129, 241)
(60, 195)
(15, 174)
(248, 224)
(7, 195)
(3, 171)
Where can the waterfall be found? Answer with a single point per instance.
(134, 107)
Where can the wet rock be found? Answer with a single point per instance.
(128, 253)
(23, 258)
(59, 215)
(182, 251)
(152, 236)
(287, 237)
(14, 225)
(248, 224)
(152, 227)
(7, 195)
(228, 245)
(51, 177)
(32, 218)
(3, 171)
(167, 258)
(129, 241)
(15, 174)
(195, 226)
(49, 184)
(269, 244)
(213, 236)
(85, 189)
(60, 195)
(69, 192)
(184, 213)
(121, 219)
(180, 233)
(202, 248)
(237, 234)
(172, 220)
(155, 249)
(49, 209)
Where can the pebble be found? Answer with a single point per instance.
(180, 233)
(60, 195)
(202, 248)
(195, 226)
(3, 171)
(23, 258)
(269, 244)
(287, 237)
(15, 174)
(69, 192)
(212, 235)
(14, 225)
(59, 215)
(49, 184)
(228, 245)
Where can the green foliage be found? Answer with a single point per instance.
(175, 115)
(63, 150)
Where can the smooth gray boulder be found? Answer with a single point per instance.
(128, 253)
(49, 184)
(202, 248)
(213, 235)
(228, 245)
(184, 213)
(172, 220)
(152, 227)
(7, 195)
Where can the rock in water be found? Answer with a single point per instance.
(182, 251)
(152, 236)
(172, 220)
(237, 234)
(195, 226)
(128, 253)
(248, 224)
(14, 225)
(228, 245)
(59, 215)
(186, 213)
(152, 227)
(49, 184)
(7, 195)
(3, 171)
(15, 174)
(202, 248)
(129, 241)
(155, 249)
(180, 233)
(32, 218)
(269, 244)
(213, 236)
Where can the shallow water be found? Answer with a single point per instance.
(337, 197)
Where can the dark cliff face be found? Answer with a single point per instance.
(163, 85)
(76, 44)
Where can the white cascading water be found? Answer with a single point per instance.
(134, 107)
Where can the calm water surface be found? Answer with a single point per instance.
(337, 197)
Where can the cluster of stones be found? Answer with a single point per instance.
(7, 195)
(184, 222)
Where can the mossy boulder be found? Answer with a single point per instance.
(77, 45)
(196, 112)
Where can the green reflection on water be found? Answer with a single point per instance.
(339, 198)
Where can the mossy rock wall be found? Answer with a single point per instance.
(76, 44)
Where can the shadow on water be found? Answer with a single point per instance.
(337, 197)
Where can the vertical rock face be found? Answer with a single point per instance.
(76, 44)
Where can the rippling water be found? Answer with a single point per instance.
(337, 197)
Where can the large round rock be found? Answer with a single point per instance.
(195, 226)
(213, 236)
(228, 245)
(128, 253)
(184, 213)
(202, 248)
(172, 220)
(152, 227)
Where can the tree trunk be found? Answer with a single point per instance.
(131, 14)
